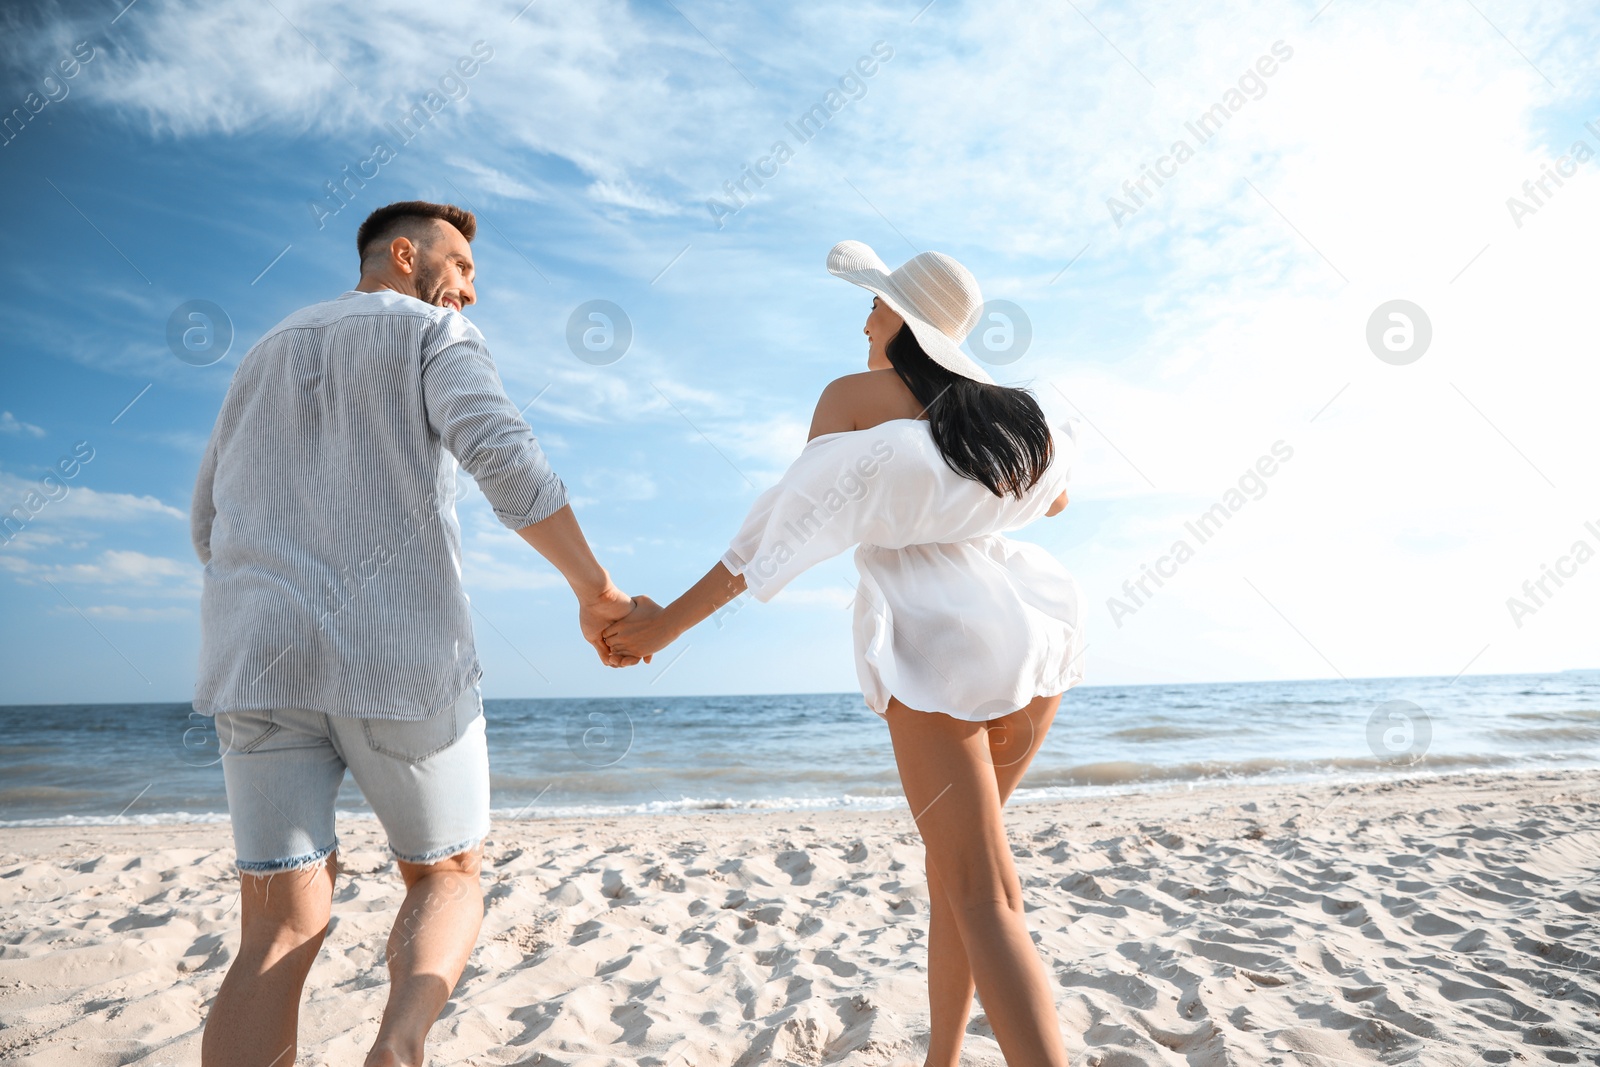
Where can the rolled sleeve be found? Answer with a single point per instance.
(468, 408)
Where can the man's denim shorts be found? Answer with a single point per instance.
(427, 782)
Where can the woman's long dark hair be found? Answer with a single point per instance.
(993, 434)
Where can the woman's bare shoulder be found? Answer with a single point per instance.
(883, 397)
(862, 400)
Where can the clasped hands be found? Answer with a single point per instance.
(624, 629)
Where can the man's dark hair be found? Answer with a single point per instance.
(409, 218)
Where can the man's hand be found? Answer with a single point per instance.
(643, 632)
(595, 614)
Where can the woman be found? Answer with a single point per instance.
(965, 640)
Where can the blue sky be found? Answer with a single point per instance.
(1189, 331)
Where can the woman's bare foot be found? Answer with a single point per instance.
(388, 1056)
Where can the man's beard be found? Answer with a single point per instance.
(430, 285)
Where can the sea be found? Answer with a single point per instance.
(150, 764)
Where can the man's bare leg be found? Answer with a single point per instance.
(433, 936)
(256, 1015)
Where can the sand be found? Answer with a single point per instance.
(1431, 921)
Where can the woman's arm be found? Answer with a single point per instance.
(1058, 505)
(650, 627)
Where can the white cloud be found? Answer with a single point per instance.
(121, 613)
(626, 194)
(10, 424)
(83, 503)
(97, 506)
(617, 483)
(776, 437)
(507, 569)
(122, 568)
(498, 183)
(42, 522)
(580, 82)
(32, 540)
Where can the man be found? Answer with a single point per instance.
(335, 633)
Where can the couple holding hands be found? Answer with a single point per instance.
(335, 633)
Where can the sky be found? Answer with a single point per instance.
(1349, 316)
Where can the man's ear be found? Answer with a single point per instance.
(404, 254)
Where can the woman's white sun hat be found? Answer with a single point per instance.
(938, 298)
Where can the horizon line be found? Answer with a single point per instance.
(847, 693)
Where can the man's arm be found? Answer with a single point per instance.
(600, 603)
(468, 408)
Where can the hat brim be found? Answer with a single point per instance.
(858, 264)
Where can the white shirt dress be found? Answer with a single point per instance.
(950, 615)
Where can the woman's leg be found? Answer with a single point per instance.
(1013, 741)
(952, 782)
(950, 986)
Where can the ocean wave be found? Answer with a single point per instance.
(22, 796)
(160, 818)
(1548, 734)
(1571, 715)
(522, 813)
(1109, 780)
(686, 805)
(1131, 772)
(1157, 734)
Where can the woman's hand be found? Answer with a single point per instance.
(643, 632)
(649, 627)
(600, 611)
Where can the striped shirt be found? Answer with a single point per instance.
(325, 510)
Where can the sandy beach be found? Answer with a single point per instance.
(1432, 921)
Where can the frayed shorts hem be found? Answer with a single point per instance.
(294, 863)
(439, 853)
